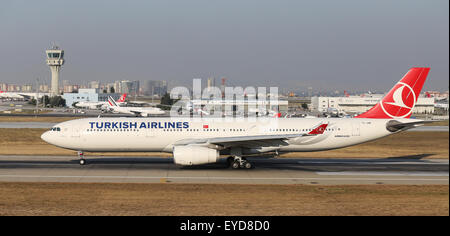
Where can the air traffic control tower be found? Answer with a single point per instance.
(55, 59)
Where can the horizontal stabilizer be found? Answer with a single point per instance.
(394, 125)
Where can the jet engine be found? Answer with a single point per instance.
(194, 155)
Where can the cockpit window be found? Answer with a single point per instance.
(56, 129)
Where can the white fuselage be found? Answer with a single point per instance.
(160, 134)
(19, 95)
(141, 111)
(94, 105)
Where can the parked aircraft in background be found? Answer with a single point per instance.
(20, 95)
(138, 111)
(100, 105)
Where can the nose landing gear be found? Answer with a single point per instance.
(81, 156)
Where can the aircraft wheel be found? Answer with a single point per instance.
(235, 165)
(248, 165)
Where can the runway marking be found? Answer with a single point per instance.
(215, 178)
(374, 163)
(379, 173)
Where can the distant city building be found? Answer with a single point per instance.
(126, 86)
(129, 87)
(135, 87)
(153, 87)
(27, 88)
(44, 88)
(65, 83)
(437, 94)
(117, 87)
(94, 85)
(70, 88)
(109, 86)
(211, 83)
(13, 88)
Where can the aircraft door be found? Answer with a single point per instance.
(150, 133)
(356, 128)
(76, 132)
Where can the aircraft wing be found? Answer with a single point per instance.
(251, 141)
(136, 112)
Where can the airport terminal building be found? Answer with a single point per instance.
(88, 95)
(355, 104)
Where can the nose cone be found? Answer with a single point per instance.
(46, 136)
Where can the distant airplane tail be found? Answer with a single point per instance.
(402, 98)
(122, 98)
(111, 102)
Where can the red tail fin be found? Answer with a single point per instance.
(400, 101)
(122, 98)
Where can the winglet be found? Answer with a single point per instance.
(319, 130)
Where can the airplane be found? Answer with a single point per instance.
(202, 141)
(190, 107)
(20, 95)
(264, 112)
(100, 105)
(138, 111)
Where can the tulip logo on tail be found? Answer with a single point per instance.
(122, 98)
(402, 101)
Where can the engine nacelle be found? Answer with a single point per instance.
(194, 155)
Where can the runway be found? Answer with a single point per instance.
(412, 170)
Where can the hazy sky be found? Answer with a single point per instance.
(325, 44)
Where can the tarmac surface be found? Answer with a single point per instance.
(409, 170)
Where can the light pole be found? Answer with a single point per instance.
(37, 96)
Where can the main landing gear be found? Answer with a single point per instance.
(238, 162)
(81, 156)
